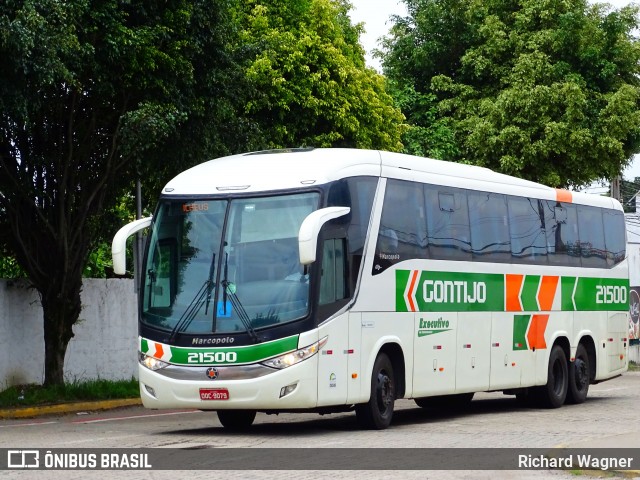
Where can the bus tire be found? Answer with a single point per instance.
(377, 413)
(554, 393)
(579, 377)
(236, 419)
(446, 402)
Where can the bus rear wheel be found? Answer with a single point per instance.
(579, 377)
(378, 411)
(236, 419)
(554, 393)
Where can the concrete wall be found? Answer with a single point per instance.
(105, 339)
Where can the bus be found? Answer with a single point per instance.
(332, 280)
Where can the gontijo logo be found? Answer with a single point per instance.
(423, 291)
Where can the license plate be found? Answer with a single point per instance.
(214, 394)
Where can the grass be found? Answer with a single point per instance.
(634, 367)
(32, 395)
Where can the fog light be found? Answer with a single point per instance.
(284, 391)
(150, 390)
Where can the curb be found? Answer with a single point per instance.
(37, 411)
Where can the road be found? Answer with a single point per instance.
(608, 419)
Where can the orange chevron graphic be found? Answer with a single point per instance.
(513, 287)
(159, 351)
(547, 292)
(535, 335)
(411, 293)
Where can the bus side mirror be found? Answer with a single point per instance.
(310, 229)
(119, 243)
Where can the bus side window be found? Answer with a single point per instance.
(447, 215)
(402, 234)
(161, 279)
(357, 193)
(488, 220)
(526, 228)
(561, 225)
(614, 240)
(591, 230)
(333, 285)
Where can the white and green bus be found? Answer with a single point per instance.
(330, 280)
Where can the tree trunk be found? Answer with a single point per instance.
(61, 311)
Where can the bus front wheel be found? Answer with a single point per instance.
(378, 411)
(554, 393)
(236, 419)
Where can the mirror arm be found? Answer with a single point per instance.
(310, 229)
(119, 243)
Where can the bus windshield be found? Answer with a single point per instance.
(198, 282)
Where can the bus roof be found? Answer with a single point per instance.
(274, 170)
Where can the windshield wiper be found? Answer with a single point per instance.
(191, 311)
(196, 303)
(229, 291)
(212, 267)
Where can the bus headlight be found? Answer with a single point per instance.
(291, 358)
(151, 363)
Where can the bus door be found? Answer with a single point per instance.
(473, 351)
(333, 296)
(434, 361)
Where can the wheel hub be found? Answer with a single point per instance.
(581, 374)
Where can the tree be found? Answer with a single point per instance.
(311, 86)
(92, 94)
(544, 90)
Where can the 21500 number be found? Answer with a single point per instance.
(611, 294)
(212, 357)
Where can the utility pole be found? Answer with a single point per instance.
(137, 246)
(615, 188)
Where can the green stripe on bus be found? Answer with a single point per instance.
(520, 326)
(594, 294)
(239, 355)
(402, 280)
(428, 291)
(567, 285)
(529, 294)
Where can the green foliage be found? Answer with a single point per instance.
(9, 267)
(545, 90)
(310, 83)
(30, 395)
(93, 94)
(428, 134)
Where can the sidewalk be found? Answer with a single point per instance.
(63, 408)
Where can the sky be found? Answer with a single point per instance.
(375, 15)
